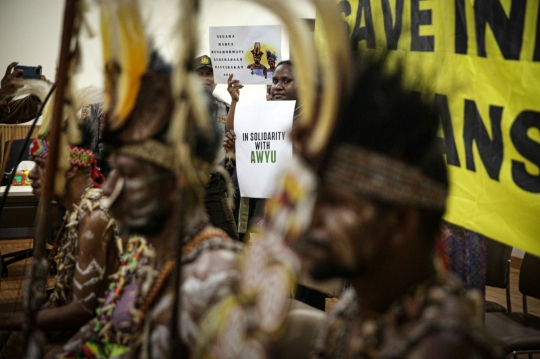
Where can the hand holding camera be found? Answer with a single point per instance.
(12, 80)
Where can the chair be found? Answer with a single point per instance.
(16, 148)
(299, 337)
(19, 217)
(519, 333)
(498, 273)
(315, 292)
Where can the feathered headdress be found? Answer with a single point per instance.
(147, 98)
(257, 49)
(270, 55)
(125, 54)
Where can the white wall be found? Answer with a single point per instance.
(518, 253)
(30, 33)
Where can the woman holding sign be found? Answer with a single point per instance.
(283, 88)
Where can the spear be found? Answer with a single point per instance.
(37, 275)
(188, 108)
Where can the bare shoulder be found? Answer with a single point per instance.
(95, 226)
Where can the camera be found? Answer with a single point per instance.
(29, 72)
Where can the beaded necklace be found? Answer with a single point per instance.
(335, 338)
(139, 261)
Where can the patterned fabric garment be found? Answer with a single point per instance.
(422, 312)
(466, 252)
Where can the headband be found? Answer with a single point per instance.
(152, 151)
(368, 173)
(77, 156)
(162, 155)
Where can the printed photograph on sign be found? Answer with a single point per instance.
(249, 53)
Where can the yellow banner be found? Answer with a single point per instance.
(482, 59)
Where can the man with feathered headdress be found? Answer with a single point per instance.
(158, 202)
(256, 67)
(362, 201)
(380, 198)
(86, 248)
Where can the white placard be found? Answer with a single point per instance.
(250, 53)
(263, 145)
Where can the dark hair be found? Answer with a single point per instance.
(383, 115)
(89, 134)
(284, 62)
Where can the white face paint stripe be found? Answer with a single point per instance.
(85, 299)
(93, 266)
(164, 304)
(89, 311)
(88, 234)
(160, 342)
(89, 282)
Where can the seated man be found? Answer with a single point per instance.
(379, 204)
(144, 189)
(86, 250)
(16, 111)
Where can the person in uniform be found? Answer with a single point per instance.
(203, 66)
(216, 201)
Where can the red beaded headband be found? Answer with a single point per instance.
(77, 156)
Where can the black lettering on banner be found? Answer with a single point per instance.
(367, 32)
(244, 136)
(528, 148)
(344, 7)
(418, 18)
(393, 32)
(449, 142)
(536, 55)
(507, 31)
(461, 36)
(490, 150)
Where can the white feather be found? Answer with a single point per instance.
(35, 87)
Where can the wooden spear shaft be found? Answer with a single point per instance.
(35, 294)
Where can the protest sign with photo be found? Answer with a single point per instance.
(263, 145)
(250, 53)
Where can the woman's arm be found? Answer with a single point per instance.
(233, 86)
